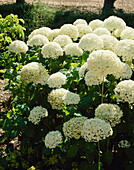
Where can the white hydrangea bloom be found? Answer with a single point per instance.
(82, 69)
(73, 127)
(52, 139)
(43, 31)
(91, 42)
(111, 113)
(63, 40)
(53, 34)
(70, 30)
(125, 72)
(52, 50)
(34, 72)
(73, 50)
(96, 24)
(55, 98)
(95, 129)
(124, 91)
(109, 42)
(127, 33)
(36, 114)
(83, 29)
(56, 80)
(80, 21)
(101, 31)
(103, 62)
(124, 144)
(116, 33)
(70, 98)
(93, 79)
(37, 40)
(125, 48)
(113, 23)
(18, 46)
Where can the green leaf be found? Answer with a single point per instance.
(108, 157)
(130, 153)
(72, 151)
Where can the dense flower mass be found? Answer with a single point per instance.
(96, 24)
(73, 127)
(63, 40)
(125, 48)
(55, 98)
(101, 31)
(52, 50)
(103, 62)
(113, 23)
(18, 46)
(111, 113)
(124, 91)
(83, 29)
(124, 144)
(71, 98)
(82, 69)
(93, 79)
(127, 33)
(37, 40)
(34, 72)
(95, 129)
(90, 42)
(43, 31)
(52, 139)
(109, 42)
(36, 114)
(56, 80)
(70, 30)
(53, 34)
(80, 21)
(73, 50)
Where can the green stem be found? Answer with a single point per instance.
(99, 167)
(102, 91)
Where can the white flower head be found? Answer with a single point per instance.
(91, 42)
(73, 50)
(101, 31)
(63, 40)
(127, 33)
(124, 91)
(36, 114)
(96, 24)
(18, 46)
(53, 34)
(70, 98)
(80, 21)
(56, 80)
(53, 139)
(124, 144)
(52, 50)
(82, 69)
(83, 29)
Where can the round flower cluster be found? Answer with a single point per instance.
(56, 80)
(96, 24)
(80, 21)
(127, 33)
(43, 31)
(52, 139)
(109, 42)
(95, 129)
(82, 69)
(103, 62)
(124, 91)
(18, 46)
(101, 31)
(71, 98)
(125, 72)
(37, 40)
(73, 127)
(110, 113)
(93, 79)
(34, 72)
(90, 42)
(113, 23)
(124, 144)
(55, 98)
(70, 30)
(73, 50)
(83, 29)
(125, 48)
(53, 34)
(52, 50)
(63, 40)
(36, 114)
